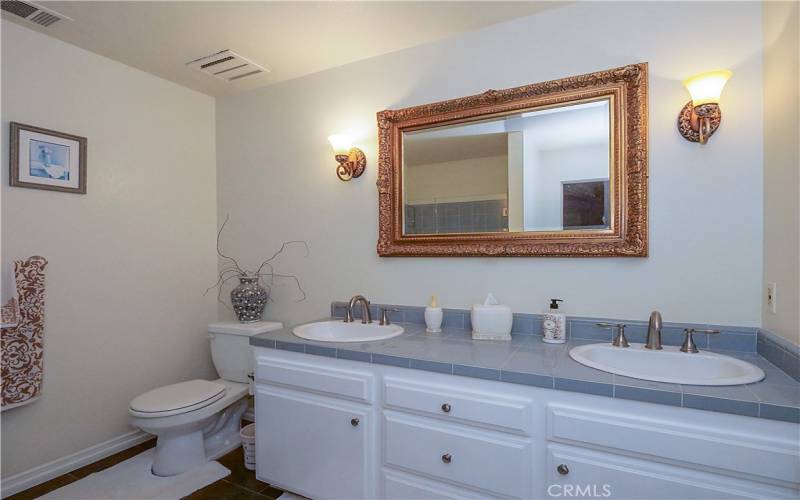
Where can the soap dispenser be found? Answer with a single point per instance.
(433, 316)
(554, 326)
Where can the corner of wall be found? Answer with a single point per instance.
(781, 66)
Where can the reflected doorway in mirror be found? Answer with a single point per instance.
(584, 204)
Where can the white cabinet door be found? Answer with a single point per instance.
(311, 445)
(580, 472)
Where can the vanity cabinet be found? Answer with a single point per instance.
(331, 428)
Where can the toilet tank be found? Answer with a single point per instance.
(231, 350)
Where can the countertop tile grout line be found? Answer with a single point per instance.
(758, 398)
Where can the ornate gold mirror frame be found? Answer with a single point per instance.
(626, 90)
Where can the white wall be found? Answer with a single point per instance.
(276, 172)
(782, 166)
(129, 261)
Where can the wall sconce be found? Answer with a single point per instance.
(701, 116)
(352, 161)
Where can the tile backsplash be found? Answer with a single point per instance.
(780, 352)
(730, 338)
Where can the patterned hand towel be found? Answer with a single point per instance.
(9, 311)
(22, 346)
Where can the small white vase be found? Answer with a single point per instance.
(433, 319)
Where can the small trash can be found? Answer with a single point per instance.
(248, 435)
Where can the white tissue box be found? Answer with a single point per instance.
(491, 322)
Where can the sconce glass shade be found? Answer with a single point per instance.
(341, 143)
(706, 88)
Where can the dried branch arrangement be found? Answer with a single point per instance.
(265, 273)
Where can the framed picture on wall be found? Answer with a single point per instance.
(46, 159)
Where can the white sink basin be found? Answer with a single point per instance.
(339, 331)
(667, 365)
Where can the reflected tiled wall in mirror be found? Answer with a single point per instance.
(485, 216)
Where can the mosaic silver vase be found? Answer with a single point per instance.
(249, 299)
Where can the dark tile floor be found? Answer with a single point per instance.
(241, 484)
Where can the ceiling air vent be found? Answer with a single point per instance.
(227, 65)
(32, 12)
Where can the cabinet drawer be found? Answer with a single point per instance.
(473, 407)
(589, 473)
(746, 454)
(352, 384)
(480, 459)
(399, 486)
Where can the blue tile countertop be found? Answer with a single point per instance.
(526, 360)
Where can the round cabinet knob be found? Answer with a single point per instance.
(446, 408)
(562, 469)
(447, 458)
(354, 422)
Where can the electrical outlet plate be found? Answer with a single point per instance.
(772, 298)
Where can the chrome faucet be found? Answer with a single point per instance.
(654, 331)
(366, 317)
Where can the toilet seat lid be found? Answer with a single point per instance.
(178, 398)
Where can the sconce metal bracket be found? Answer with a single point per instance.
(691, 120)
(351, 165)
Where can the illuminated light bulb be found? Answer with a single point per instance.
(341, 143)
(706, 88)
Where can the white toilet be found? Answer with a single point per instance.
(199, 420)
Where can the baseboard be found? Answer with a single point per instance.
(30, 478)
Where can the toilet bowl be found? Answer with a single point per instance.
(199, 420)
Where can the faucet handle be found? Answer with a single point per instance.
(385, 315)
(688, 345)
(619, 339)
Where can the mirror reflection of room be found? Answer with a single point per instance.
(541, 170)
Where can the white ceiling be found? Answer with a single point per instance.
(291, 39)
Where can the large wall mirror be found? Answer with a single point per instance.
(551, 169)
